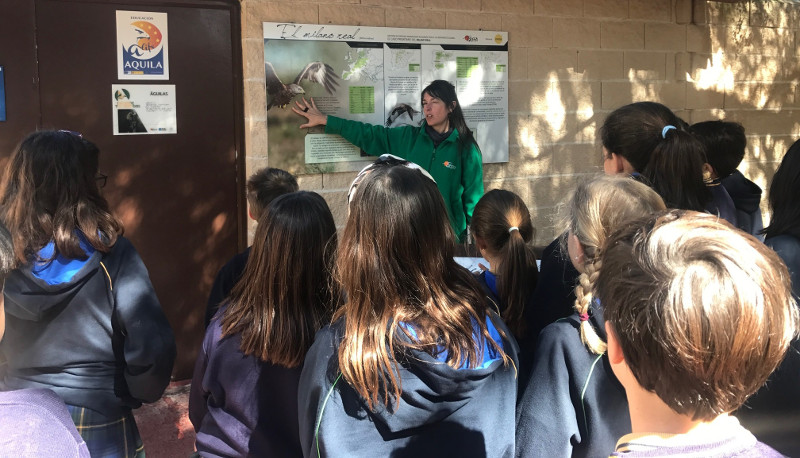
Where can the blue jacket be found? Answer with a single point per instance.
(240, 405)
(721, 203)
(746, 197)
(226, 279)
(788, 248)
(573, 404)
(442, 411)
(91, 330)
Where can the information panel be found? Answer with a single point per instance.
(376, 75)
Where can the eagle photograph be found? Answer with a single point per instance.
(281, 95)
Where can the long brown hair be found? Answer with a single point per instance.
(285, 294)
(502, 219)
(395, 264)
(49, 193)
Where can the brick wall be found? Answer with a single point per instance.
(570, 63)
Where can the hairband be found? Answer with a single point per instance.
(383, 159)
(666, 129)
(513, 228)
(584, 316)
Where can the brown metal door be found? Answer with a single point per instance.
(176, 194)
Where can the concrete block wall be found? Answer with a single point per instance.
(570, 63)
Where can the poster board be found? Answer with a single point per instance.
(370, 71)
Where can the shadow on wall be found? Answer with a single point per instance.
(742, 65)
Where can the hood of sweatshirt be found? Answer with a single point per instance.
(34, 289)
(432, 390)
(746, 195)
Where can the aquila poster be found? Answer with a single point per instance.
(142, 49)
(375, 75)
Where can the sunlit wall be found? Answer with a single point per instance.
(573, 61)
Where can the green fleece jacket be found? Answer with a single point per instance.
(458, 176)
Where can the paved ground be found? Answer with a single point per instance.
(164, 425)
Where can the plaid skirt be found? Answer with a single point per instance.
(108, 437)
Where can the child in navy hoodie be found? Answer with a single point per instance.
(416, 362)
(725, 145)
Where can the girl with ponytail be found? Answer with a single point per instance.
(571, 375)
(501, 225)
(647, 140)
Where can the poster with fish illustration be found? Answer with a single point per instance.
(142, 51)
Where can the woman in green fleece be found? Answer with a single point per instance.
(443, 145)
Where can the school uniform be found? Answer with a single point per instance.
(721, 203)
(35, 423)
(240, 405)
(92, 331)
(728, 440)
(442, 411)
(746, 197)
(573, 405)
(226, 279)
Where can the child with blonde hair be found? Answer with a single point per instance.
(573, 404)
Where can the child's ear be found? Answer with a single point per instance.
(708, 172)
(614, 351)
(480, 242)
(621, 164)
(250, 214)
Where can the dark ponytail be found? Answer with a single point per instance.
(503, 221)
(669, 160)
(675, 171)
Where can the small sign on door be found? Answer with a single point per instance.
(144, 109)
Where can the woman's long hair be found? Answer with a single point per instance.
(494, 216)
(285, 294)
(49, 193)
(396, 266)
(446, 92)
(783, 193)
(660, 147)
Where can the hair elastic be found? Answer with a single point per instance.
(584, 317)
(513, 228)
(666, 129)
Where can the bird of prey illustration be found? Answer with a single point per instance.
(282, 94)
(404, 114)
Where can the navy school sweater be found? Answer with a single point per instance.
(442, 411)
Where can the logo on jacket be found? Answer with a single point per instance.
(449, 165)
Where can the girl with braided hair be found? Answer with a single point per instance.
(646, 141)
(573, 404)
